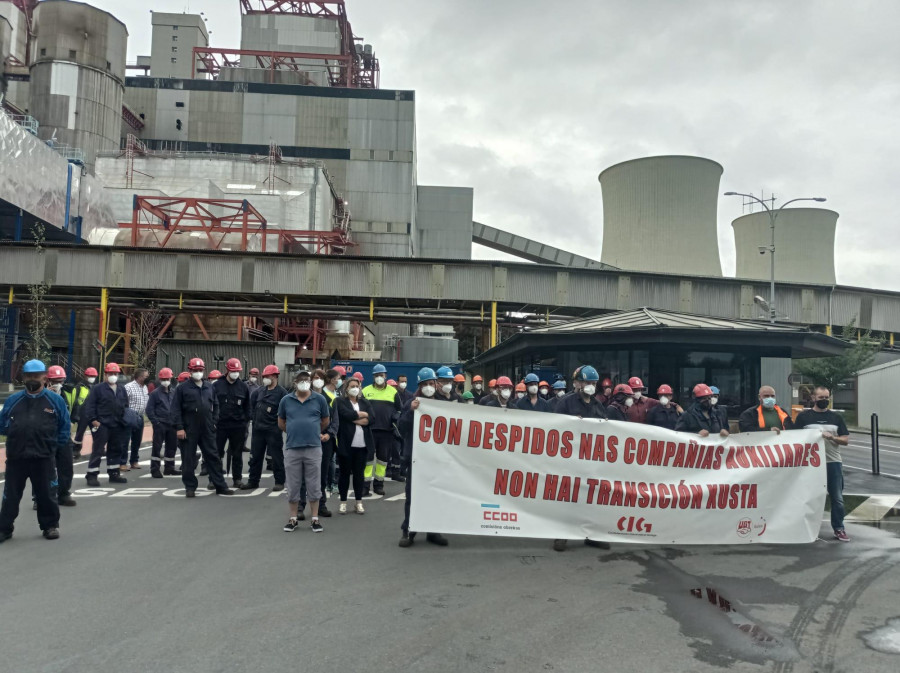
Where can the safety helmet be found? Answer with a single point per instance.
(468, 395)
(34, 367)
(606, 383)
(90, 371)
(165, 373)
(112, 368)
(233, 365)
(271, 370)
(715, 391)
(477, 379)
(664, 390)
(358, 376)
(392, 382)
(340, 370)
(520, 387)
(636, 383)
(459, 378)
(254, 372)
(624, 389)
(702, 390)
(531, 378)
(492, 383)
(195, 364)
(215, 374)
(577, 372)
(426, 374)
(559, 385)
(379, 369)
(587, 373)
(445, 373)
(504, 381)
(544, 384)
(183, 376)
(56, 373)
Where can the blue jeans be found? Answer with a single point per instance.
(836, 493)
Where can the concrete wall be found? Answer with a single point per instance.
(172, 43)
(444, 222)
(876, 389)
(16, 20)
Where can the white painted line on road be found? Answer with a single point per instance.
(869, 470)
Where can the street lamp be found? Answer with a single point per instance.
(773, 215)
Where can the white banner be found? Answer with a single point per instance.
(487, 471)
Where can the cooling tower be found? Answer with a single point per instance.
(659, 214)
(804, 245)
(78, 76)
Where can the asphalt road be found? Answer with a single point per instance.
(858, 456)
(149, 581)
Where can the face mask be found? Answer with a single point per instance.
(234, 375)
(532, 390)
(664, 400)
(303, 386)
(379, 380)
(446, 388)
(253, 379)
(638, 395)
(338, 383)
(33, 386)
(267, 382)
(91, 379)
(560, 393)
(520, 395)
(544, 391)
(56, 387)
(589, 390)
(506, 394)
(478, 387)
(629, 401)
(112, 380)
(353, 392)
(495, 392)
(822, 404)
(165, 384)
(402, 385)
(428, 391)
(197, 376)
(768, 402)
(470, 401)
(705, 404)
(714, 401)
(318, 384)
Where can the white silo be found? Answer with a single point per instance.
(804, 245)
(659, 214)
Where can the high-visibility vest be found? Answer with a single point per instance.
(330, 396)
(386, 394)
(75, 397)
(762, 421)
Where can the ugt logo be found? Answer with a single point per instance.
(629, 524)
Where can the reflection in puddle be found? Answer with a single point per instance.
(885, 639)
(745, 624)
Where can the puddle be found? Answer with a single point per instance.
(885, 639)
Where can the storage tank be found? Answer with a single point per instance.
(659, 214)
(804, 245)
(78, 76)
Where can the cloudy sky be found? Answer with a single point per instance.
(528, 100)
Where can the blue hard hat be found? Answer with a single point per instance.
(445, 373)
(34, 367)
(532, 378)
(426, 374)
(559, 385)
(714, 389)
(379, 369)
(588, 373)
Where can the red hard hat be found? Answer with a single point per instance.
(165, 373)
(520, 387)
(234, 365)
(358, 376)
(90, 371)
(635, 383)
(606, 383)
(112, 368)
(504, 381)
(702, 390)
(183, 376)
(254, 371)
(459, 378)
(622, 388)
(392, 382)
(492, 383)
(271, 370)
(664, 390)
(215, 374)
(477, 379)
(340, 370)
(544, 384)
(56, 372)
(196, 363)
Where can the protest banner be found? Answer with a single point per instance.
(488, 471)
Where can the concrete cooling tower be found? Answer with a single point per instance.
(804, 245)
(659, 214)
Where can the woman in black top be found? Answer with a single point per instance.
(354, 441)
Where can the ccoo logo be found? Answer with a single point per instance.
(631, 525)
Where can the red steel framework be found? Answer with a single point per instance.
(211, 60)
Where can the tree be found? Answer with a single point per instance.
(829, 372)
(38, 348)
(145, 330)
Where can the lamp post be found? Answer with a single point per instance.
(773, 215)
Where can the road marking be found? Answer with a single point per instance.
(868, 469)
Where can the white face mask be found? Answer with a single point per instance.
(470, 401)
(91, 379)
(545, 391)
(506, 393)
(318, 384)
(520, 395)
(353, 392)
(714, 400)
(165, 384)
(664, 400)
(589, 389)
(379, 380)
(234, 376)
(267, 382)
(197, 376)
(447, 388)
(428, 391)
(638, 394)
(338, 383)
(532, 390)
(112, 380)
(303, 386)
(253, 379)
(402, 385)
(478, 387)
(629, 402)
(560, 393)
(56, 387)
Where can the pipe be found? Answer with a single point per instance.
(493, 324)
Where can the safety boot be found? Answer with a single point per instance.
(407, 539)
(116, 478)
(378, 488)
(155, 473)
(92, 480)
(171, 469)
(67, 501)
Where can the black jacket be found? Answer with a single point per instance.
(406, 424)
(264, 407)
(234, 403)
(749, 420)
(574, 405)
(106, 406)
(663, 416)
(616, 412)
(346, 414)
(195, 408)
(694, 421)
(159, 406)
(35, 427)
(541, 405)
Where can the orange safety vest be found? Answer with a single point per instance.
(762, 421)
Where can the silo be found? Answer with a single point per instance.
(804, 245)
(78, 76)
(659, 214)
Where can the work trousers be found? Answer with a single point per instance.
(203, 438)
(327, 460)
(64, 465)
(163, 435)
(135, 437)
(40, 472)
(378, 459)
(396, 456)
(266, 440)
(354, 464)
(111, 440)
(235, 438)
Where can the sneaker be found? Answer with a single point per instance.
(841, 535)
(291, 525)
(224, 491)
(316, 526)
(559, 545)
(407, 539)
(247, 486)
(342, 508)
(136, 466)
(51, 533)
(278, 487)
(124, 468)
(360, 509)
